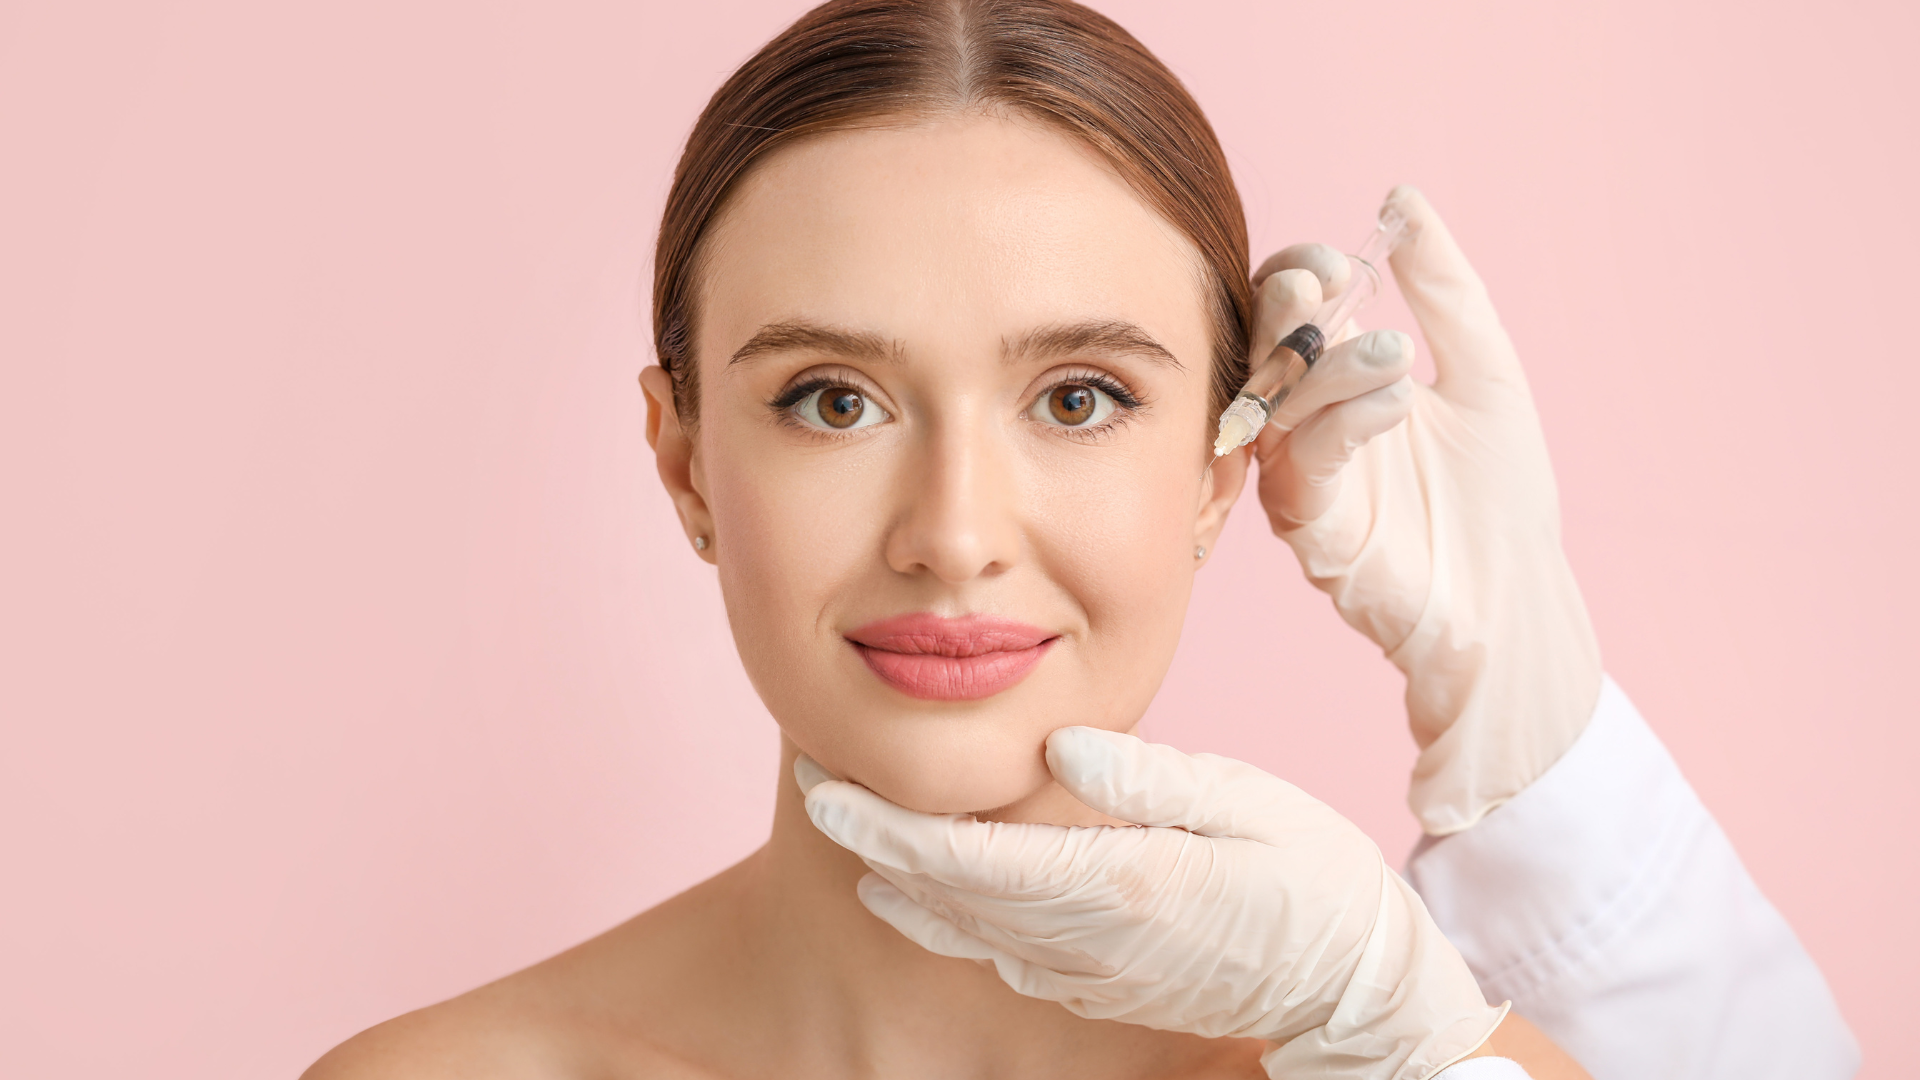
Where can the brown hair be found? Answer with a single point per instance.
(853, 62)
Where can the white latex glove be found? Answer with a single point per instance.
(1436, 535)
(1244, 908)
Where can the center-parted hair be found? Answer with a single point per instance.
(853, 63)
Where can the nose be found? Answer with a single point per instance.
(958, 518)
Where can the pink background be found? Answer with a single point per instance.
(352, 657)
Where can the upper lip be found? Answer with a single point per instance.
(924, 633)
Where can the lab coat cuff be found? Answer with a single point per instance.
(1486, 1068)
(1571, 861)
(1605, 901)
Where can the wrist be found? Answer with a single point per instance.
(1496, 692)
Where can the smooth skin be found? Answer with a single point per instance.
(953, 273)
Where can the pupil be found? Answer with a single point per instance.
(843, 407)
(1072, 404)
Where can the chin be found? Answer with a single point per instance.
(952, 769)
(965, 785)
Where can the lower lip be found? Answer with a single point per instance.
(952, 678)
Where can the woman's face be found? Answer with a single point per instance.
(952, 427)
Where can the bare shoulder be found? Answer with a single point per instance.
(615, 1005)
(452, 1039)
(456, 1041)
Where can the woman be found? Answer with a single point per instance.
(946, 297)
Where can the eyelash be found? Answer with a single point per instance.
(797, 393)
(1127, 403)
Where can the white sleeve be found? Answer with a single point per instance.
(1606, 903)
(1487, 1068)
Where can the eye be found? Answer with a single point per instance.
(839, 408)
(1073, 404)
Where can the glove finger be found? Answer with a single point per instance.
(1150, 784)
(1086, 933)
(939, 936)
(1450, 302)
(1306, 475)
(1035, 981)
(991, 858)
(808, 773)
(1282, 302)
(921, 926)
(1055, 973)
(1328, 265)
(1354, 367)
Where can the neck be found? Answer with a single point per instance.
(852, 996)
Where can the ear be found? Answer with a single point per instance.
(673, 457)
(1219, 490)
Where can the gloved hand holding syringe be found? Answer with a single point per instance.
(1274, 378)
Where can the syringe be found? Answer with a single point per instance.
(1274, 378)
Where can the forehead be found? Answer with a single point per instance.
(967, 225)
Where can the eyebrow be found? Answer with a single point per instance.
(802, 336)
(1108, 337)
(1112, 337)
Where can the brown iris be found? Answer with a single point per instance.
(1072, 404)
(841, 407)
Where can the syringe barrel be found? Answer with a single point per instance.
(1361, 288)
(1275, 377)
(1366, 266)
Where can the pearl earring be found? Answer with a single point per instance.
(699, 543)
(1199, 551)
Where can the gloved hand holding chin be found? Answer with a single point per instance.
(1241, 907)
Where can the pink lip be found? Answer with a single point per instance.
(936, 658)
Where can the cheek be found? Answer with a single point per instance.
(1120, 540)
(791, 537)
